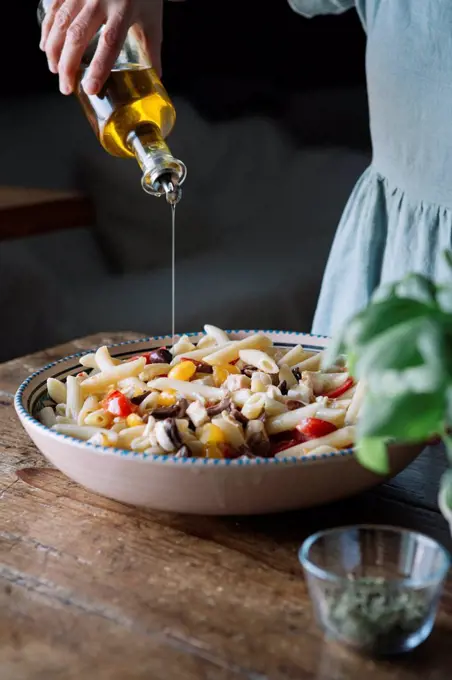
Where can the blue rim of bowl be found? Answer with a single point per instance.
(126, 453)
(327, 575)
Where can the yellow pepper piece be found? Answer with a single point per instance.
(133, 420)
(221, 372)
(211, 435)
(167, 398)
(185, 370)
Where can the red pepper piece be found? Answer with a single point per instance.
(118, 404)
(282, 446)
(334, 394)
(313, 428)
(229, 452)
(286, 440)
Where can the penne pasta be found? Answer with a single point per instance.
(290, 419)
(322, 383)
(254, 406)
(99, 418)
(219, 335)
(351, 417)
(60, 410)
(206, 341)
(103, 359)
(311, 364)
(97, 383)
(295, 356)
(74, 399)
(148, 403)
(262, 361)
(183, 345)
(89, 405)
(336, 416)
(240, 397)
(275, 393)
(339, 403)
(47, 416)
(286, 375)
(322, 450)
(152, 371)
(260, 381)
(88, 360)
(57, 390)
(84, 432)
(273, 407)
(119, 426)
(339, 439)
(196, 354)
(187, 388)
(126, 436)
(140, 443)
(230, 352)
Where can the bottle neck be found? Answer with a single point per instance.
(162, 173)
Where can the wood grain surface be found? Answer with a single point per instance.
(91, 588)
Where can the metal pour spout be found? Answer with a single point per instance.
(162, 173)
(173, 192)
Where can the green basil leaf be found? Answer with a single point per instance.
(406, 418)
(372, 453)
(417, 287)
(380, 317)
(415, 356)
(396, 348)
(435, 345)
(417, 380)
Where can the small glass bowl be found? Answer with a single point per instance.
(375, 588)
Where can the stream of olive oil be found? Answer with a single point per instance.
(173, 270)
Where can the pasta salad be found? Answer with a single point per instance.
(221, 398)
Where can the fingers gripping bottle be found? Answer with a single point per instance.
(133, 114)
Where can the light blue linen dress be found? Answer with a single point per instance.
(399, 217)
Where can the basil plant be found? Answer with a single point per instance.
(400, 346)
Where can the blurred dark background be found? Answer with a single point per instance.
(273, 126)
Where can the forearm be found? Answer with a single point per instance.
(311, 8)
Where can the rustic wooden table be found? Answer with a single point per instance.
(28, 212)
(90, 588)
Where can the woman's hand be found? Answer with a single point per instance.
(70, 25)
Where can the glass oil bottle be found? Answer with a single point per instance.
(133, 114)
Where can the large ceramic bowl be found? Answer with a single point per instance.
(191, 485)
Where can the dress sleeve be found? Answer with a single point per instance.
(311, 8)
